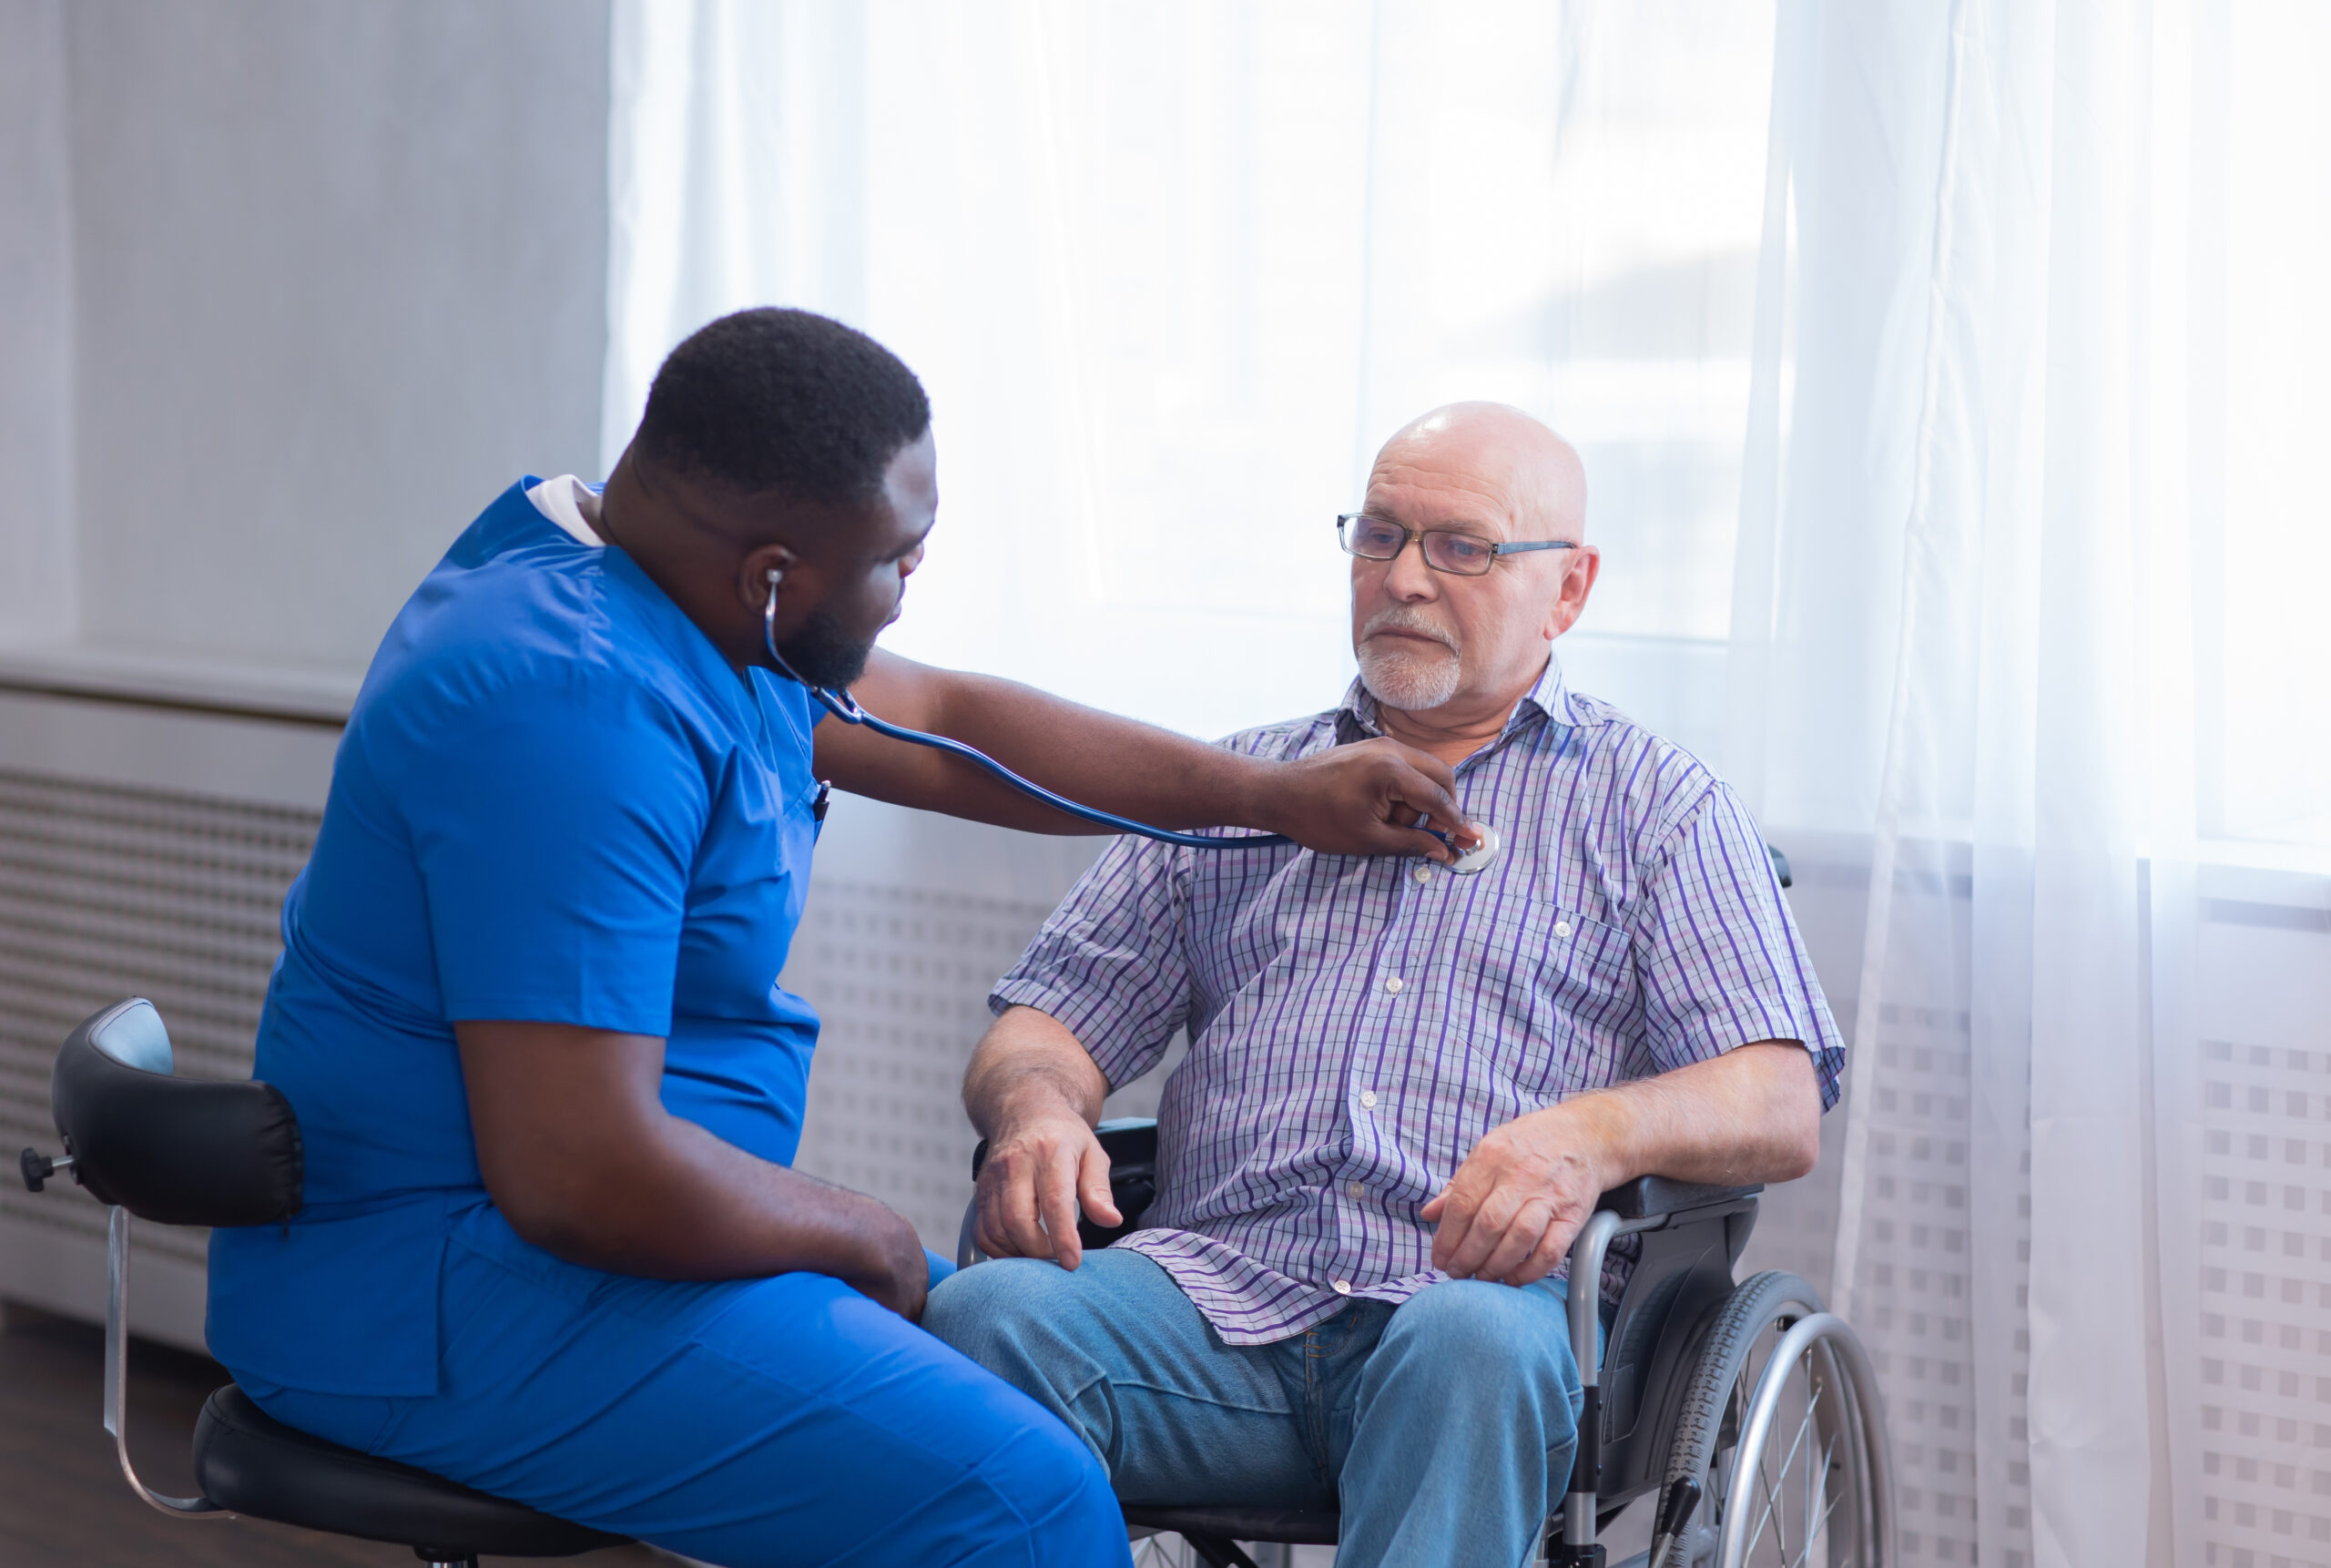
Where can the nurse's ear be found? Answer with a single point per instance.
(761, 574)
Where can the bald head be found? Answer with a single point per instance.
(1518, 470)
(1454, 651)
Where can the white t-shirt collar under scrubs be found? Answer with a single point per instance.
(572, 504)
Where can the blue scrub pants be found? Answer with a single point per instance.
(1444, 1427)
(751, 1423)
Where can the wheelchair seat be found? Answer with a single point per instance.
(1203, 1527)
(248, 1462)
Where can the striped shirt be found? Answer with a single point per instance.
(1357, 1024)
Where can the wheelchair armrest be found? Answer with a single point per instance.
(1129, 1140)
(1651, 1196)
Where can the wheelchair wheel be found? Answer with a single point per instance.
(1782, 1428)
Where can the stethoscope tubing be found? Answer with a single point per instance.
(844, 707)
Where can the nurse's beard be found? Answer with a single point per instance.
(823, 654)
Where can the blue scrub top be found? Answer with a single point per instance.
(555, 801)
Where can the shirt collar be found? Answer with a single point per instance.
(1547, 700)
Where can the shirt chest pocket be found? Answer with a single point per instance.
(1558, 989)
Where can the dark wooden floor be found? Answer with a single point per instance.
(63, 1500)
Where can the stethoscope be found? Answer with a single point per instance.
(844, 707)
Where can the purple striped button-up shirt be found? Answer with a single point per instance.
(1357, 1024)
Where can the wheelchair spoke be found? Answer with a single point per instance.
(1814, 1527)
(1773, 1514)
(1804, 1504)
(1816, 1481)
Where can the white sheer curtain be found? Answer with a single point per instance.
(2026, 562)
(1171, 273)
(1950, 378)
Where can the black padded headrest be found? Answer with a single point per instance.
(176, 1151)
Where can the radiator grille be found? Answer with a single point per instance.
(2265, 1294)
(901, 977)
(108, 892)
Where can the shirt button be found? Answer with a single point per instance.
(1343, 1287)
(1561, 928)
(1392, 984)
(1421, 874)
(1358, 1190)
(1367, 1099)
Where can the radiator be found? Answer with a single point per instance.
(133, 863)
(900, 976)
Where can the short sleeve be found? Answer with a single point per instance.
(1110, 964)
(555, 825)
(1718, 953)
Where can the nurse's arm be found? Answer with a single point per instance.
(1358, 800)
(584, 1161)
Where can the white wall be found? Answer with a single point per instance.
(290, 290)
(287, 291)
(37, 597)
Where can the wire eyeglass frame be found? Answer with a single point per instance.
(1424, 538)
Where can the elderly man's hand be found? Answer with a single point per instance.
(1038, 1168)
(1370, 797)
(1514, 1206)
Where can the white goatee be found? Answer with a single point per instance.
(1406, 674)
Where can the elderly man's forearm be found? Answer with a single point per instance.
(1752, 1114)
(1029, 1064)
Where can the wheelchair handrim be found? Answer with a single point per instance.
(1841, 1497)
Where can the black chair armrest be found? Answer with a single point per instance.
(1129, 1140)
(1649, 1197)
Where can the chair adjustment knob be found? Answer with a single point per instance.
(37, 1167)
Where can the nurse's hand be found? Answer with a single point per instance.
(898, 1271)
(1368, 798)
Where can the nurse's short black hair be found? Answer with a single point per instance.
(784, 401)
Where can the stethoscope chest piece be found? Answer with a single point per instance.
(1476, 859)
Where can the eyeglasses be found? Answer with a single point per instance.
(1445, 550)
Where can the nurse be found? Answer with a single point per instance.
(527, 1009)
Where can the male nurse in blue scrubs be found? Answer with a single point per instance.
(528, 1012)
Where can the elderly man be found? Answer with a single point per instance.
(1407, 1082)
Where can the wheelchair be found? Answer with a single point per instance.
(1751, 1411)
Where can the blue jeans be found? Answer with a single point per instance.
(1444, 1428)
